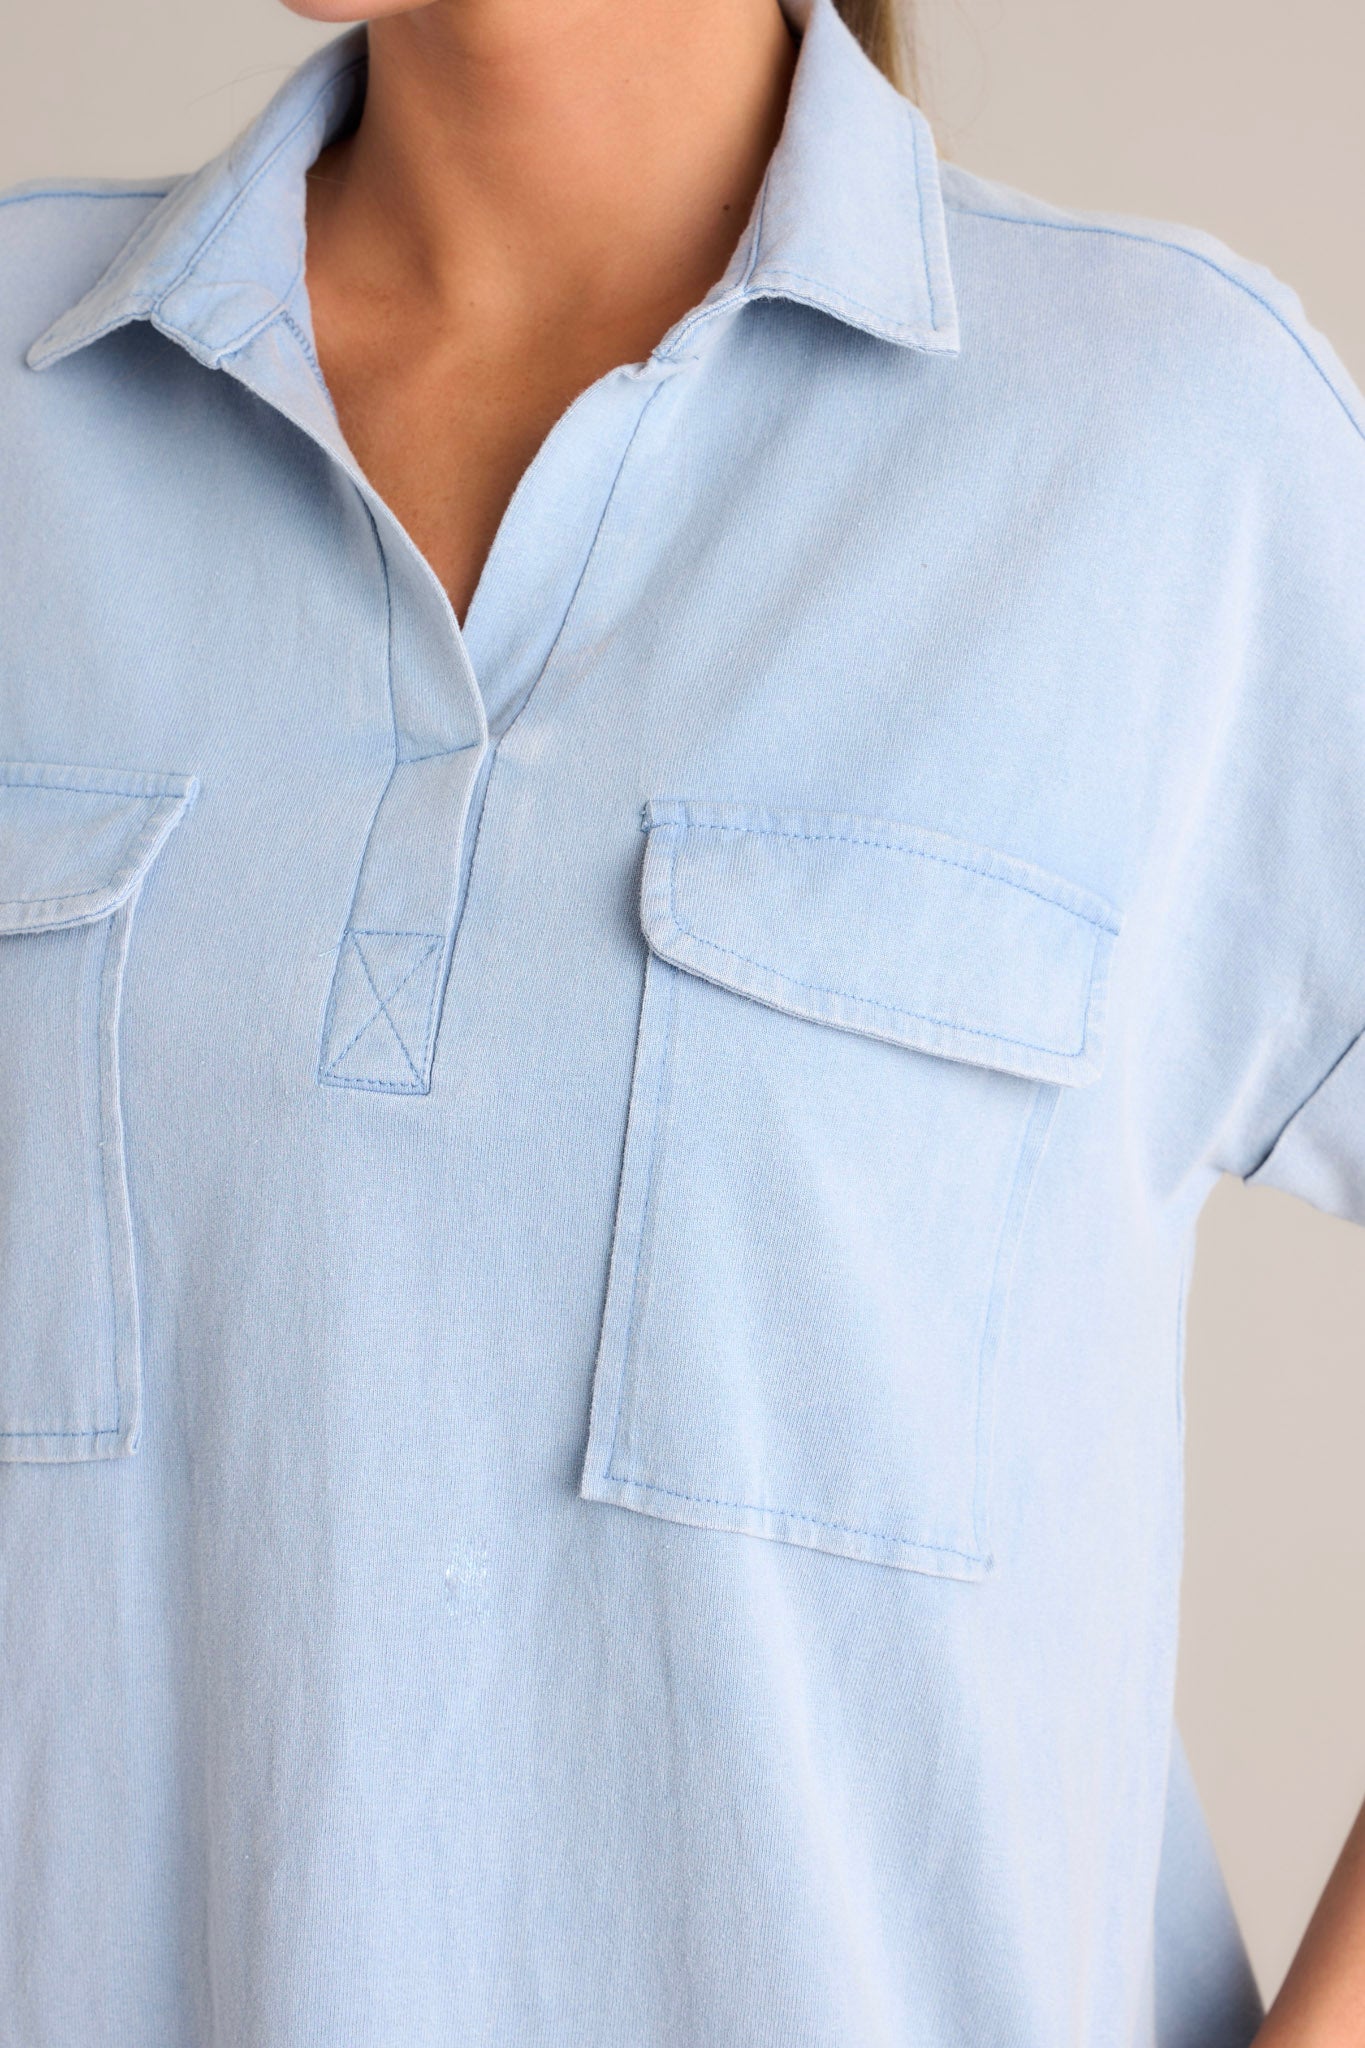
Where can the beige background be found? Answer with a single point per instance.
(1242, 116)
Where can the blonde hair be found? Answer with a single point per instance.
(886, 30)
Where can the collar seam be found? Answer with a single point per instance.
(239, 198)
(123, 262)
(284, 315)
(699, 318)
(916, 173)
(831, 294)
(757, 243)
(822, 297)
(235, 343)
(737, 293)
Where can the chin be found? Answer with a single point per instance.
(352, 10)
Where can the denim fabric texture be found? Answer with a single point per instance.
(595, 1203)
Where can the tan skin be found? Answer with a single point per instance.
(536, 191)
(534, 195)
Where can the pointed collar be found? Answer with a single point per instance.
(849, 218)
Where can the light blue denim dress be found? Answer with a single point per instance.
(595, 1203)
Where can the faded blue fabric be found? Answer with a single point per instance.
(595, 1205)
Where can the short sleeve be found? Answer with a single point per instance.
(1260, 1003)
(1320, 1153)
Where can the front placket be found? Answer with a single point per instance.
(393, 957)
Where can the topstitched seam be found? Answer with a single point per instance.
(852, 995)
(229, 213)
(890, 846)
(1082, 227)
(150, 796)
(923, 236)
(398, 987)
(420, 962)
(789, 1515)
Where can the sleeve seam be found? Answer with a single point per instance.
(1081, 227)
(82, 192)
(1305, 1104)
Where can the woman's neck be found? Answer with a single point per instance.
(517, 160)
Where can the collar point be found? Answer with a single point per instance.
(86, 321)
(51, 346)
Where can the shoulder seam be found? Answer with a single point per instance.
(80, 192)
(1086, 227)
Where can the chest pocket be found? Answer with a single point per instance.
(76, 845)
(852, 1040)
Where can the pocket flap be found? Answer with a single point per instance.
(886, 929)
(76, 842)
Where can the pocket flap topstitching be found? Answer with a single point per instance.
(883, 928)
(76, 842)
